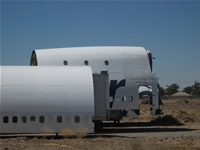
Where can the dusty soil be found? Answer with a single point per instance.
(178, 128)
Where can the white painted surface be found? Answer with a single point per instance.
(121, 59)
(45, 91)
(125, 63)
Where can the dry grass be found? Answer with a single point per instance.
(76, 133)
(185, 117)
(67, 132)
(47, 130)
(81, 132)
(145, 101)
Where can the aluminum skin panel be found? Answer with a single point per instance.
(45, 91)
(118, 57)
(126, 65)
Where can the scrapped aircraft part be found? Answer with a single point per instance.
(39, 99)
(99, 57)
(146, 93)
(150, 59)
(101, 96)
(149, 94)
(128, 68)
(33, 59)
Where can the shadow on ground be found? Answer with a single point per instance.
(143, 130)
(107, 133)
(167, 120)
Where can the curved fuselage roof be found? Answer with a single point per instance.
(125, 61)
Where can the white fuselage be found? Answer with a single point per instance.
(75, 88)
(128, 69)
(40, 99)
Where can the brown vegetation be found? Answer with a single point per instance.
(178, 128)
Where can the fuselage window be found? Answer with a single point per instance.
(106, 62)
(130, 98)
(86, 62)
(41, 119)
(24, 119)
(50, 119)
(59, 119)
(85, 119)
(14, 119)
(76, 119)
(32, 119)
(117, 98)
(65, 62)
(68, 119)
(123, 98)
(5, 119)
(110, 98)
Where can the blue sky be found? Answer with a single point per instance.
(170, 30)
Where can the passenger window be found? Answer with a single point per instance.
(68, 119)
(41, 119)
(32, 119)
(85, 119)
(24, 119)
(59, 119)
(86, 62)
(65, 62)
(5, 119)
(130, 98)
(124, 99)
(110, 99)
(76, 119)
(50, 119)
(106, 62)
(14, 119)
(117, 98)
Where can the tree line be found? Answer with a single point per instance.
(194, 90)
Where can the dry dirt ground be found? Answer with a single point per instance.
(177, 129)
